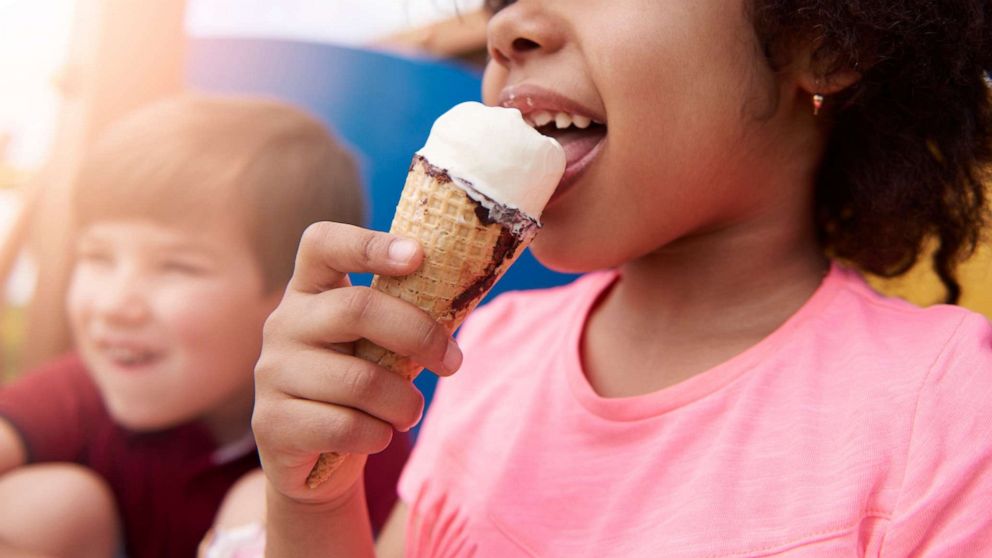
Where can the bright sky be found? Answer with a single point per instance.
(34, 35)
(351, 22)
(34, 38)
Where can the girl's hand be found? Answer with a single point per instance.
(312, 395)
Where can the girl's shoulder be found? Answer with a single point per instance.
(895, 335)
(862, 307)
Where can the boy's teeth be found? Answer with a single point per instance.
(128, 356)
(563, 120)
(581, 121)
(541, 118)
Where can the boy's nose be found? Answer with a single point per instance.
(523, 30)
(122, 301)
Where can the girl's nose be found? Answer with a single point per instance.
(522, 31)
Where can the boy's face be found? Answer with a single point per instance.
(169, 321)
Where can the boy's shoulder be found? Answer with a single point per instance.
(64, 374)
(54, 409)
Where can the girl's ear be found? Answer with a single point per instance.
(829, 84)
(817, 77)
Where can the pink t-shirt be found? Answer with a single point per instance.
(861, 427)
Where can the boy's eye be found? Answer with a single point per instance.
(92, 256)
(182, 267)
(497, 5)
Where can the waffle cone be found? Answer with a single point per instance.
(464, 257)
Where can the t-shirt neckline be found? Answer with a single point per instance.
(639, 407)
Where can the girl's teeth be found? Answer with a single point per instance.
(581, 121)
(541, 118)
(561, 120)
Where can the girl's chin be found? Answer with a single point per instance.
(564, 256)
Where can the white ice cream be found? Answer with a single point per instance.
(502, 156)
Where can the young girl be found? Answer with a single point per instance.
(722, 383)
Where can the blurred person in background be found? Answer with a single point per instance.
(187, 218)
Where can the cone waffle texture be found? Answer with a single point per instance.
(464, 257)
(461, 251)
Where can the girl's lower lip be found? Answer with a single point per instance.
(575, 170)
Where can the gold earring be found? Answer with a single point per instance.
(817, 104)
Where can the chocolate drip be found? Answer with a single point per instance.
(483, 214)
(505, 248)
(516, 228)
(433, 171)
(488, 210)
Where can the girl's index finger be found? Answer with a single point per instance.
(330, 251)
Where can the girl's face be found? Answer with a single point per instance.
(693, 128)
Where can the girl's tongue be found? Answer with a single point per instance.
(576, 142)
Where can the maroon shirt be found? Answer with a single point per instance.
(169, 484)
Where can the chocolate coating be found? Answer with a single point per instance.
(505, 248)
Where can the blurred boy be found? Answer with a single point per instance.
(188, 216)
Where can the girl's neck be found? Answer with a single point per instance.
(698, 302)
(727, 278)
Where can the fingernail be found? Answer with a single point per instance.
(402, 250)
(452, 357)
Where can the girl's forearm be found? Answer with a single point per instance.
(294, 529)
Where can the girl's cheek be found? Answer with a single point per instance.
(493, 80)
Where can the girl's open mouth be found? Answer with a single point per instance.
(582, 142)
(580, 131)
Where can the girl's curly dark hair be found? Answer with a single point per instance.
(908, 156)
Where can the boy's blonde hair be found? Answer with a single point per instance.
(184, 160)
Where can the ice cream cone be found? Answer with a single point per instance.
(469, 243)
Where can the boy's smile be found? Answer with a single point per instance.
(127, 354)
(168, 320)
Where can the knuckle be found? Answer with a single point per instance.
(363, 384)
(433, 340)
(272, 325)
(358, 303)
(260, 422)
(346, 428)
(314, 234)
(369, 248)
(381, 440)
(359, 432)
(263, 369)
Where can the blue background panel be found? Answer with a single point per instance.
(380, 104)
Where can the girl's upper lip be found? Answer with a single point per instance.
(528, 98)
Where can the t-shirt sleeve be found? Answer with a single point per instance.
(945, 504)
(50, 409)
